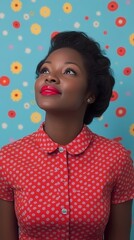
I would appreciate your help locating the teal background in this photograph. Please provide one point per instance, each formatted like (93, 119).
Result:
(98, 18)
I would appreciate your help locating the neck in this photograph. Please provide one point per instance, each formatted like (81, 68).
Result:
(62, 129)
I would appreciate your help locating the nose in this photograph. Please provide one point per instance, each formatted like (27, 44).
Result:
(51, 79)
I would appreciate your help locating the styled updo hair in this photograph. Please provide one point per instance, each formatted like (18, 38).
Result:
(100, 78)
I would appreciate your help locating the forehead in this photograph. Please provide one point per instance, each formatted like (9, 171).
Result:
(66, 54)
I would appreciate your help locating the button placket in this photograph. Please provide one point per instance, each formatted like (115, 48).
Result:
(63, 187)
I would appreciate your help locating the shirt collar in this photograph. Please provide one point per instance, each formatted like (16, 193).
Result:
(77, 146)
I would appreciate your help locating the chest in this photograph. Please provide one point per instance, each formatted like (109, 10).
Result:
(63, 190)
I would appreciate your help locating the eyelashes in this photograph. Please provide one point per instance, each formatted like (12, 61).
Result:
(70, 71)
(67, 71)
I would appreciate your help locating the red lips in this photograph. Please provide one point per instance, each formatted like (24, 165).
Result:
(49, 90)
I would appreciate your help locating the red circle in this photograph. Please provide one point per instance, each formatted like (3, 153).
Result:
(16, 24)
(112, 6)
(106, 125)
(121, 111)
(4, 81)
(53, 34)
(121, 51)
(11, 113)
(120, 21)
(114, 96)
(127, 71)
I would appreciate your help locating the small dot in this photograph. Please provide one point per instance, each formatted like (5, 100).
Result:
(128, 93)
(10, 46)
(4, 125)
(27, 50)
(5, 33)
(20, 126)
(98, 13)
(96, 24)
(40, 48)
(105, 32)
(20, 38)
(25, 84)
(76, 24)
(26, 105)
(86, 17)
(2, 15)
(26, 16)
(107, 46)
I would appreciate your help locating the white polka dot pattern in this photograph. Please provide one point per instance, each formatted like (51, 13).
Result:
(64, 192)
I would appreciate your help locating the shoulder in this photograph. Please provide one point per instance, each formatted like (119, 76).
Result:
(12, 151)
(110, 149)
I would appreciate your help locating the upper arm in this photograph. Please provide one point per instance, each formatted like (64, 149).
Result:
(8, 222)
(119, 224)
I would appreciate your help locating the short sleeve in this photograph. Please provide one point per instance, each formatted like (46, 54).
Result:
(124, 185)
(6, 192)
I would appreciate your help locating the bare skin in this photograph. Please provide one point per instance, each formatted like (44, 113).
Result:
(119, 225)
(8, 222)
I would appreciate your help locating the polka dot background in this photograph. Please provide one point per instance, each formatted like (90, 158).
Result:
(26, 28)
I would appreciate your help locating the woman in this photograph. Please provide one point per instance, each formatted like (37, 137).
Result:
(64, 181)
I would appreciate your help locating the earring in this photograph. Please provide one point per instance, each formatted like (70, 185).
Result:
(90, 100)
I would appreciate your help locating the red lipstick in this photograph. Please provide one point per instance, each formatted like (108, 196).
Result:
(49, 90)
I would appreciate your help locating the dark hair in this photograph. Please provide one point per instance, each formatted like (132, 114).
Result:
(101, 80)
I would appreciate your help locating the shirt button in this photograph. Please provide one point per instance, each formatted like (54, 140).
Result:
(61, 149)
(64, 210)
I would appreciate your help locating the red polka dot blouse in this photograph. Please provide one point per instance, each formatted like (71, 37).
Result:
(65, 192)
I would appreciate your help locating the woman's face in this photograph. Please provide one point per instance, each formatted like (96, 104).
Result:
(62, 82)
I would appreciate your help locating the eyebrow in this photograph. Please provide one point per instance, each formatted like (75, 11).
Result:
(68, 62)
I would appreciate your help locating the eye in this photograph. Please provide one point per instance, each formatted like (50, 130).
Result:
(44, 70)
(70, 71)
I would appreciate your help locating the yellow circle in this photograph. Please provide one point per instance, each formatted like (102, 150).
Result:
(45, 12)
(131, 39)
(131, 130)
(16, 95)
(35, 117)
(16, 5)
(35, 28)
(67, 7)
(16, 67)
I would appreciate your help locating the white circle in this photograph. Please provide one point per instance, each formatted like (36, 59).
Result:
(2, 15)
(26, 105)
(76, 24)
(20, 126)
(28, 50)
(96, 24)
(5, 33)
(4, 125)
(25, 84)
(26, 16)
(98, 13)
(20, 38)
